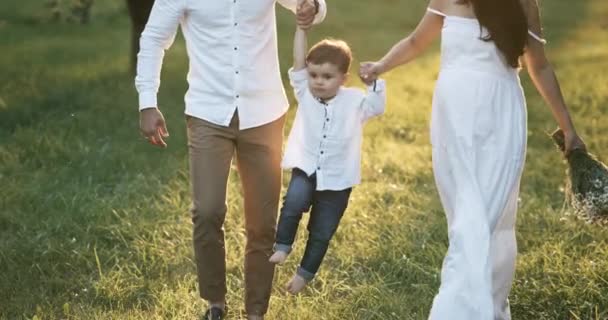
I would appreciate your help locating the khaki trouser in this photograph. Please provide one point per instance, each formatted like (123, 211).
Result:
(258, 156)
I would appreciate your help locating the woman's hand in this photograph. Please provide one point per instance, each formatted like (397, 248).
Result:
(369, 72)
(573, 142)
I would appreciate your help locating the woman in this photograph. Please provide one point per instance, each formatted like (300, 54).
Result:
(478, 133)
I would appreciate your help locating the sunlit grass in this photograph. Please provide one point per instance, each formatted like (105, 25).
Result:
(94, 223)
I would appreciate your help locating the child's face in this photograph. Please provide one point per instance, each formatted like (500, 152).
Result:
(325, 79)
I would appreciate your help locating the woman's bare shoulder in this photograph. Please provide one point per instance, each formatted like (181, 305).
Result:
(455, 8)
(532, 14)
(530, 7)
(442, 5)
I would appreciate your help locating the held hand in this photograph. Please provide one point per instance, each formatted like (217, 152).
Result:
(153, 127)
(369, 72)
(573, 142)
(305, 13)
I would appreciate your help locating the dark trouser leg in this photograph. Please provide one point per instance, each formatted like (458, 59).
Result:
(327, 210)
(297, 200)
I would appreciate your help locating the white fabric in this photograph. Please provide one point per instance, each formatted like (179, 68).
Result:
(530, 32)
(537, 37)
(326, 137)
(437, 12)
(232, 48)
(478, 134)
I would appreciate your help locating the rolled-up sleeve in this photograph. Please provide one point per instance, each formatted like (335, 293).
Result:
(299, 82)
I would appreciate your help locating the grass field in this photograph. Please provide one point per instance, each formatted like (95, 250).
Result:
(94, 223)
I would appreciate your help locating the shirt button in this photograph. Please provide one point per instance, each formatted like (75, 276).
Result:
(236, 24)
(321, 152)
(318, 168)
(327, 119)
(237, 96)
(237, 72)
(324, 136)
(235, 48)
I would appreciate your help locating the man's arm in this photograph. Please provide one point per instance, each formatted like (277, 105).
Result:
(155, 39)
(310, 11)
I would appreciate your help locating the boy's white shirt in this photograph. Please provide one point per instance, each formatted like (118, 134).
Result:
(326, 137)
(232, 50)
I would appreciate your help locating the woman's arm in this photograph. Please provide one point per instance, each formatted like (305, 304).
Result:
(544, 79)
(408, 48)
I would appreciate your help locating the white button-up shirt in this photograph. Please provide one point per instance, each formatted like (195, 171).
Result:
(326, 137)
(232, 48)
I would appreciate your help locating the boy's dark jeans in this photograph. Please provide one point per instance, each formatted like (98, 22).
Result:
(327, 209)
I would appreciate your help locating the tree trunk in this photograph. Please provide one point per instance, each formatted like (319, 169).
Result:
(139, 11)
(85, 11)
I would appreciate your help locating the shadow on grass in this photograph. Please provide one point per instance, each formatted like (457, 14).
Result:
(90, 222)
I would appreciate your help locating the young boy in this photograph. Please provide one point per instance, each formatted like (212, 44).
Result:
(323, 149)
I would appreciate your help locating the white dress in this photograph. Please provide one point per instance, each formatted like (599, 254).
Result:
(478, 133)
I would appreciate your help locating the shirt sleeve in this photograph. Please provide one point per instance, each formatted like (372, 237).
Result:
(374, 102)
(157, 37)
(291, 5)
(299, 82)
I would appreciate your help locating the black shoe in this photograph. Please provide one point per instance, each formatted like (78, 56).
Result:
(215, 313)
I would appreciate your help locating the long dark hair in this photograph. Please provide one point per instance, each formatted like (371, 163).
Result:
(506, 23)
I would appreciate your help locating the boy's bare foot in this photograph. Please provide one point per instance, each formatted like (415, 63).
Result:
(296, 284)
(278, 257)
(255, 317)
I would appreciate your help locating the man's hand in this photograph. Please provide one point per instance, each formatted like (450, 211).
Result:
(152, 126)
(305, 13)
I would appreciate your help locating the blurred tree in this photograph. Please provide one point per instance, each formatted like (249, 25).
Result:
(55, 8)
(81, 10)
(74, 10)
(139, 11)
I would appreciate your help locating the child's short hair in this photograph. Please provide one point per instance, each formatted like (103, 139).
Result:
(336, 52)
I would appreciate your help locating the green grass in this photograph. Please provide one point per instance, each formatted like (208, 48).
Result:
(94, 223)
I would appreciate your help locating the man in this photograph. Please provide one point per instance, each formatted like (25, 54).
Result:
(235, 103)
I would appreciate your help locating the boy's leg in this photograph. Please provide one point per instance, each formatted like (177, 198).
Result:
(297, 200)
(327, 210)
(211, 148)
(259, 163)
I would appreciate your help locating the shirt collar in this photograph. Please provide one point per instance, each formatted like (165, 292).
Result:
(330, 100)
